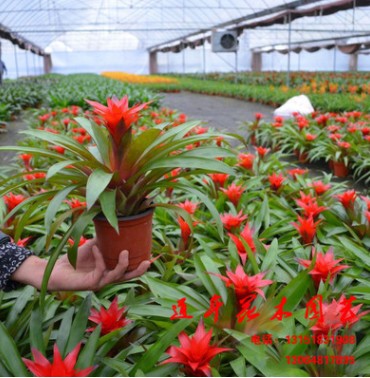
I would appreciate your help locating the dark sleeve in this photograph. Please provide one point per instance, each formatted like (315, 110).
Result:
(11, 258)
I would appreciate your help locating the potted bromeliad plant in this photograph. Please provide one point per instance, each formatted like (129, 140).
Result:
(119, 172)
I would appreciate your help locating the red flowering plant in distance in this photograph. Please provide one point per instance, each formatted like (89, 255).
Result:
(121, 171)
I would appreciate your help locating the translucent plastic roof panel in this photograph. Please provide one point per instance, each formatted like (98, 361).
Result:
(66, 25)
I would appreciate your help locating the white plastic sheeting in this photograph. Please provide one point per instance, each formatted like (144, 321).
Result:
(97, 35)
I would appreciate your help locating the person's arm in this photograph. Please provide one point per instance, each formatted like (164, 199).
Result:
(11, 258)
(90, 273)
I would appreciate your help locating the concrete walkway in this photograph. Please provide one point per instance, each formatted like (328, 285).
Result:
(10, 138)
(222, 113)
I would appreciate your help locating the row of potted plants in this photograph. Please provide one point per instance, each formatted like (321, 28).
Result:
(237, 261)
(55, 90)
(341, 140)
(265, 94)
(306, 82)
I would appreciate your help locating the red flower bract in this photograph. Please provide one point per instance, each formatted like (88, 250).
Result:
(233, 193)
(110, 319)
(195, 352)
(325, 266)
(41, 367)
(347, 198)
(117, 116)
(13, 200)
(306, 228)
(232, 221)
(243, 284)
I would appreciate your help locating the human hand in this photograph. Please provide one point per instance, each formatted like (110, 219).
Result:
(91, 272)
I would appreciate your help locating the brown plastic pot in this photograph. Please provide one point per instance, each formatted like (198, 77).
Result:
(340, 169)
(135, 235)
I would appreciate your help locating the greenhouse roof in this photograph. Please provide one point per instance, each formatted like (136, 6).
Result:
(92, 25)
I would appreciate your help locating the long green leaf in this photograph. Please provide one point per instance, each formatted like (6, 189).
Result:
(153, 354)
(108, 205)
(9, 354)
(96, 184)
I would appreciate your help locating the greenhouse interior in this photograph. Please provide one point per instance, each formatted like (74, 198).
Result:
(185, 188)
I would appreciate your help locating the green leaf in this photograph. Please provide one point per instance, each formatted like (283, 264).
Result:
(96, 184)
(79, 324)
(100, 138)
(87, 355)
(108, 204)
(54, 169)
(65, 330)
(204, 265)
(36, 336)
(180, 161)
(153, 354)
(9, 355)
(55, 204)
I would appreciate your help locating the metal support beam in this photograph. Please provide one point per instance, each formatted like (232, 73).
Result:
(265, 12)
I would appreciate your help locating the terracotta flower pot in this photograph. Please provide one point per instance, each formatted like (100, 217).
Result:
(340, 169)
(303, 157)
(135, 235)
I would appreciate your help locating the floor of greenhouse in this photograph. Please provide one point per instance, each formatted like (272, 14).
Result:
(222, 113)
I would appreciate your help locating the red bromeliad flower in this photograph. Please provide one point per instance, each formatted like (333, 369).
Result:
(262, 151)
(246, 160)
(243, 284)
(276, 181)
(333, 128)
(195, 352)
(258, 116)
(319, 187)
(336, 315)
(310, 137)
(310, 207)
(219, 178)
(306, 228)
(367, 216)
(185, 231)
(188, 206)
(297, 171)
(110, 319)
(81, 242)
(325, 266)
(23, 242)
(344, 145)
(117, 116)
(231, 221)
(347, 199)
(335, 136)
(247, 236)
(13, 200)
(41, 367)
(58, 149)
(26, 160)
(75, 203)
(233, 193)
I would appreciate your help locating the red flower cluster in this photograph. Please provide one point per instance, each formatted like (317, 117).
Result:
(325, 266)
(117, 116)
(110, 319)
(195, 352)
(41, 367)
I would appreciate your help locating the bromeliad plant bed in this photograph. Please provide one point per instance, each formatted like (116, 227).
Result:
(242, 299)
(341, 140)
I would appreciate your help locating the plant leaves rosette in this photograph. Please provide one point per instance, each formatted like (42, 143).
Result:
(123, 168)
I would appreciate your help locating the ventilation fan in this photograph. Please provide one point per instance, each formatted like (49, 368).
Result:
(224, 41)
